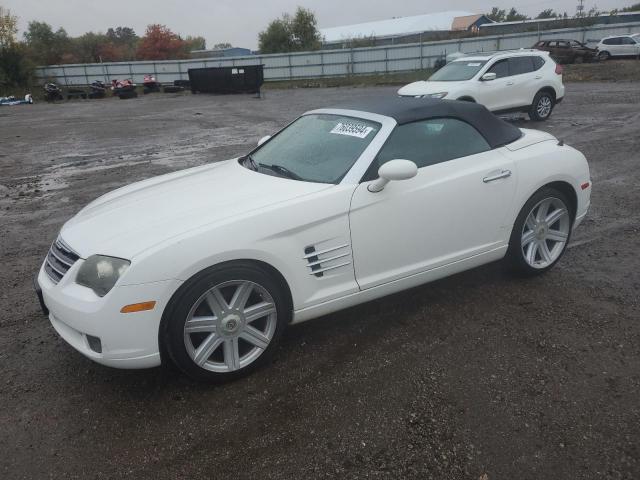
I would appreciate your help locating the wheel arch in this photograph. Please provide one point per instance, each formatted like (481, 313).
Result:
(168, 310)
(466, 98)
(548, 89)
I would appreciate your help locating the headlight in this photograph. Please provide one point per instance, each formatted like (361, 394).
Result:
(100, 273)
(438, 95)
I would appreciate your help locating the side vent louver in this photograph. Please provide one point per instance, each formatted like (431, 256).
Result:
(327, 259)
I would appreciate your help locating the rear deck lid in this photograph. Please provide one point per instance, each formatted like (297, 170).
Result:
(530, 137)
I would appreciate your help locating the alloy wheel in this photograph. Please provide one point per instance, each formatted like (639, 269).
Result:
(545, 233)
(230, 326)
(544, 106)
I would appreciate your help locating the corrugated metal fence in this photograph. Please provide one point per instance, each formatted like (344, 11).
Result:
(325, 63)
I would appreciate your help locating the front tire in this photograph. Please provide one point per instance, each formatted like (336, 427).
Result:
(604, 56)
(225, 322)
(541, 232)
(542, 106)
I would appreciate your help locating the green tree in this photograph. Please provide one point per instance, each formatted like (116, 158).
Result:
(497, 15)
(123, 42)
(277, 37)
(515, 16)
(548, 13)
(15, 68)
(222, 46)
(8, 27)
(304, 28)
(291, 34)
(45, 46)
(633, 8)
(195, 43)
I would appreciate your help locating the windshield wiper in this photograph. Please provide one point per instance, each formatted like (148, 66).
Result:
(250, 163)
(282, 171)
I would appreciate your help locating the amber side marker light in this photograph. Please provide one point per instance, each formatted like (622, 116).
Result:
(138, 307)
(584, 186)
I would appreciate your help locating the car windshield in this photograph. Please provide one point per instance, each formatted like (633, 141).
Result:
(457, 71)
(316, 148)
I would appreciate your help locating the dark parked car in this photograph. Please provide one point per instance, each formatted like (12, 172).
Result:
(567, 51)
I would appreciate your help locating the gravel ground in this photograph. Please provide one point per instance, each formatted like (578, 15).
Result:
(477, 376)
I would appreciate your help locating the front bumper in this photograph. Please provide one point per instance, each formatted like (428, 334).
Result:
(127, 340)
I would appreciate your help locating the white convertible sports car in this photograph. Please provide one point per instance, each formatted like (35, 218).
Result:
(205, 267)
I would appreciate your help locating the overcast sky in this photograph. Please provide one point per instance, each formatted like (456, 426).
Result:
(239, 22)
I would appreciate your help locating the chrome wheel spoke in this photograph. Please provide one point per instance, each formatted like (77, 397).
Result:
(531, 222)
(231, 353)
(216, 302)
(241, 295)
(528, 237)
(544, 252)
(206, 349)
(554, 216)
(255, 337)
(532, 250)
(543, 210)
(557, 236)
(200, 324)
(259, 310)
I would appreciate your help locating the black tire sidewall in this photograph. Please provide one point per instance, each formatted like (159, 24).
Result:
(533, 113)
(174, 317)
(514, 253)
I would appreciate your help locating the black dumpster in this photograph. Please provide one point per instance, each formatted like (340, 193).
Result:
(239, 79)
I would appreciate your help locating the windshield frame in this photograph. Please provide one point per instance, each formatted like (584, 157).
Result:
(361, 164)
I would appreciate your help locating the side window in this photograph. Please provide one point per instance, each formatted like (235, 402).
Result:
(612, 41)
(429, 142)
(520, 65)
(500, 68)
(538, 62)
(564, 44)
(627, 41)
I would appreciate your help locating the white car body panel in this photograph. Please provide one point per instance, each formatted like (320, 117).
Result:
(505, 93)
(436, 218)
(443, 221)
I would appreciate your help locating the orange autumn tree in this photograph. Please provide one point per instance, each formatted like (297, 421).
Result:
(160, 43)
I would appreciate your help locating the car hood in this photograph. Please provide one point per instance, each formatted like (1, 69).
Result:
(134, 218)
(425, 87)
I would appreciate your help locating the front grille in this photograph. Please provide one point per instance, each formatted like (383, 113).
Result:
(59, 260)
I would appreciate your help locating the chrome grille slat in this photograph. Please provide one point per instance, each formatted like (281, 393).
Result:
(60, 259)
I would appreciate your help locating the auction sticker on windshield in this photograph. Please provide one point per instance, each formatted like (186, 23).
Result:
(352, 130)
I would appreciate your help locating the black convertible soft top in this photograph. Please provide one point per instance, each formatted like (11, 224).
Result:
(407, 109)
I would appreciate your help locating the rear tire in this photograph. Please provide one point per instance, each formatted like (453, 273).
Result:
(541, 232)
(542, 106)
(225, 322)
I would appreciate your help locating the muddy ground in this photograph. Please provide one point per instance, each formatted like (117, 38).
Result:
(477, 376)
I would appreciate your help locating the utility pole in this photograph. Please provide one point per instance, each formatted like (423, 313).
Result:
(580, 9)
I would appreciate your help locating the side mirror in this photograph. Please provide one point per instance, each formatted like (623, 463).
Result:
(263, 139)
(393, 170)
(487, 77)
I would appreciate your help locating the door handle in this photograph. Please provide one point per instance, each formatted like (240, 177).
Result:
(498, 176)
(538, 77)
(509, 84)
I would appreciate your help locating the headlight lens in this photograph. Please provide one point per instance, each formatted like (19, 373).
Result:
(438, 95)
(100, 273)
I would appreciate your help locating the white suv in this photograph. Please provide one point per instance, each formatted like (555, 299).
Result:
(519, 80)
(619, 46)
